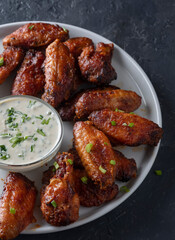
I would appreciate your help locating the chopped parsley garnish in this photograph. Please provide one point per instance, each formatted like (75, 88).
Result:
(35, 139)
(158, 172)
(102, 169)
(1, 61)
(112, 162)
(40, 131)
(31, 27)
(39, 117)
(105, 143)
(56, 165)
(84, 179)
(70, 161)
(16, 140)
(124, 189)
(130, 124)
(5, 135)
(31, 103)
(113, 123)
(14, 125)
(64, 29)
(131, 112)
(3, 153)
(12, 210)
(54, 204)
(118, 110)
(89, 147)
(45, 121)
(32, 148)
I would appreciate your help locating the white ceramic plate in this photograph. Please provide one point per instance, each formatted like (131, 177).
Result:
(130, 77)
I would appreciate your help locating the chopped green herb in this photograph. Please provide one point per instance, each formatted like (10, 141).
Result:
(84, 179)
(113, 123)
(39, 117)
(9, 120)
(70, 161)
(64, 29)
(89, 147)
(53, 169)
(5, 135)
(33, 122)
(105, 143)
(20, 155)
(54, 204)
(158, 172)
(32, 148)
(35, 139)
(112, 162)
(1, 61)
(19, 134)
(118, 110)
(31, 103)
(124, 124)
(40, 131)
(31, 27)
(10, 111)
(56, 165)
(45, 121)
(49, 113)
(16, 140)
(130, 124)
(12, 210)
(124, 189)
(102, 169)
(3, 148)
(131, 112)
(3, 154)
(14, 125)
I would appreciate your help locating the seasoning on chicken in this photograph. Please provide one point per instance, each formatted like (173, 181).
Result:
(60, 73)
(91, 194)
(9, 60)
(77, 44)
(36, 35)
(94, 153)
(16, 205)
(30, 78)
(95, 65)
(59, 202)
(126, 128)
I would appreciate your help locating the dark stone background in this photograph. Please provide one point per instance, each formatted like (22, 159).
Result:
(146, 30)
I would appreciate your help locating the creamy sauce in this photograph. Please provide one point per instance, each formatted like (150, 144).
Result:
(29, 130)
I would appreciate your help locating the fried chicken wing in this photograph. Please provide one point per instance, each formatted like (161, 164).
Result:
(59, 73)
(95, 65)
(59, 202)
(126, 129)
(67, 109)
(94, 100)
(16, 205)
(10, 58)
(77, 44)
(95, 155)
(35, 35)
(30, 78)
(89, 193)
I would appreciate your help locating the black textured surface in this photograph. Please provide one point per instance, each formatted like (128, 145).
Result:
(145, 29)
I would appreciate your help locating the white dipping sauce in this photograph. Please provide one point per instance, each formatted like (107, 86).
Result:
(29, 130)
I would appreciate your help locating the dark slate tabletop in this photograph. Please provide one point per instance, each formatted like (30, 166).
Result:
(145, 29)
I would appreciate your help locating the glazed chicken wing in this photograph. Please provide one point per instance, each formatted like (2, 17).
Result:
(60, 73)
(94, 100)
(16, 205)
(95, 155)
(77, 44)
(30, 78)
(95, 65)
(59, 202)
(10, 58)
(126, 129)
(89, 193)
(35, 35)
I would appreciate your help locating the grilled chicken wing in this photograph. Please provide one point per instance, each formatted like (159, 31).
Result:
(95, 155)
(10, 58)
(126, 129)
(77, 44)
(94, 100)
(30, 78)
(59, 202)
(59, 73)
(95, 65)
(35, 35)
(89, 193)
(16, 205)
(68, 108)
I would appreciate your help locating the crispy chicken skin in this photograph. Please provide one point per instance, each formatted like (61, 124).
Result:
(60, 73)
(30, 78)
(95, 65)
(97, 161)
(68, 108)
(77, 44)
(127, 129)
(126, 169)
(11, 58)
(127, 101)
(18, 193)
(89, 193)
(35, 35)
(59, 202)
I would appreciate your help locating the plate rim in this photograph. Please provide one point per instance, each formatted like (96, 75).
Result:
(136, 185)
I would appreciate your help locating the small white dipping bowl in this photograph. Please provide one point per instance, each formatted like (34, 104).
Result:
(47, 156)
